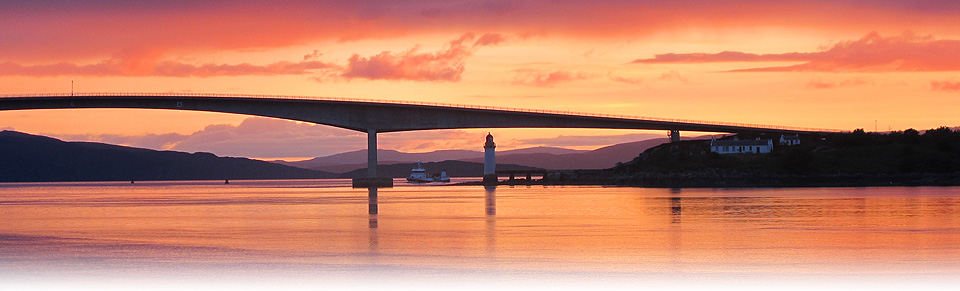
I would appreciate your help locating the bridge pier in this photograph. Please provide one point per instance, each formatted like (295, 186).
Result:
(371, 153)
(674, 135)
(371, 180)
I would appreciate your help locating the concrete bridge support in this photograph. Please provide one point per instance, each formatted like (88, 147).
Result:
(371, 153)
(372, 180)
(372, 201)
(674, 135)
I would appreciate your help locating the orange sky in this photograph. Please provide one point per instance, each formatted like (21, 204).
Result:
(830, 64)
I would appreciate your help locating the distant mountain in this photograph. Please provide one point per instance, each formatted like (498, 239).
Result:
(359, 157)
(453, 168)
(602, 158)
(32, 158)
(348, 161)
(540, 150)
(537, 157)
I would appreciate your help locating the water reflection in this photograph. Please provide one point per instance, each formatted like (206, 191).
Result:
(675, 239)
(374, 236)
(372, 197)
(491, 199)
(676, 209)
(609, 228)
(491, 210)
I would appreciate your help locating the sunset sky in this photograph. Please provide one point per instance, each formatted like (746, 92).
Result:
(828, 64)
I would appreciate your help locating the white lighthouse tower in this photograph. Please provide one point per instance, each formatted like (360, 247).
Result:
(489, 161)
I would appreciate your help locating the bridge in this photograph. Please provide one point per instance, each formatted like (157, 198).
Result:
(376, 116)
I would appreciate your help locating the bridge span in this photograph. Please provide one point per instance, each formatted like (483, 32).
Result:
(376, 116)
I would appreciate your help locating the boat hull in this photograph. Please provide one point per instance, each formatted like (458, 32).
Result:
(417, 180)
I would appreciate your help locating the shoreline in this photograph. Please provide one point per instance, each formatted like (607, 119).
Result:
(740, 180)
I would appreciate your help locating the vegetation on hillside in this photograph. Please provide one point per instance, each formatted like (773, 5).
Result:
(858, 158)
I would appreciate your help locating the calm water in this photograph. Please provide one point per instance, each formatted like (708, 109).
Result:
(320, 231)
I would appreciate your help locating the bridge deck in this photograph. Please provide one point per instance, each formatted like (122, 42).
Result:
(375, 116)
(742, 126)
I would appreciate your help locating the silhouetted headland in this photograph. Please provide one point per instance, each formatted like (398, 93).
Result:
(32, 158)
(902, 158)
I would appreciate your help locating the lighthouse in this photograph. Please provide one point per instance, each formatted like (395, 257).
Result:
(489, 161)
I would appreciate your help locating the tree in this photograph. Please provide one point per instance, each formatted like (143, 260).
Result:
(911, 136)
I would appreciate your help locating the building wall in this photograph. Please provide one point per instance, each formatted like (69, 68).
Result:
(763, 149)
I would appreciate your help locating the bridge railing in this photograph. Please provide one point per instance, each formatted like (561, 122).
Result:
(420, 103)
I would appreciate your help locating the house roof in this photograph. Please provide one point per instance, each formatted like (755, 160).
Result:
(737, 143)
(790, 137)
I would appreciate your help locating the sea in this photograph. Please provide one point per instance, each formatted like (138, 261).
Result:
(326, 235)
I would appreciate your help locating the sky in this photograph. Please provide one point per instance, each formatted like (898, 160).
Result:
(840, 64)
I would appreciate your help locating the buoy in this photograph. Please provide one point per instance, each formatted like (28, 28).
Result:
(226, 181)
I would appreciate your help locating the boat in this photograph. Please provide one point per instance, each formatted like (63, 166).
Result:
(419, 175)
(442, 177)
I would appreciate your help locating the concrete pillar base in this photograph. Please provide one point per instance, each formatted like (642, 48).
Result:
(490, 179)
(674, 135)
(376, 182)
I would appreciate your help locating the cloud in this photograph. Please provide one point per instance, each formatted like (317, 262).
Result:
(312, 56)
(277, 138)
(254, 137)
(944, 86)
(872, 53)
(490, 39)
(430, 140)
(726, 56)
(821, 84)
(41, 31)
(445, 65)
(133, 66)
(672, 76)
(632, 81)
(543, 78)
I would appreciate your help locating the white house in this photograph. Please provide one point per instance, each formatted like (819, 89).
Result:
(741, 146)
(789, 139)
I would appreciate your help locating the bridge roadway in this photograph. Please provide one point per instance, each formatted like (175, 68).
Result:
(375, 116)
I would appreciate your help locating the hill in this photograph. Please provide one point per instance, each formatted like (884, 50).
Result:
(536, 157)
(32, 158)
(848, 159)
(453, 168)
(601, 158)
(348, 161)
